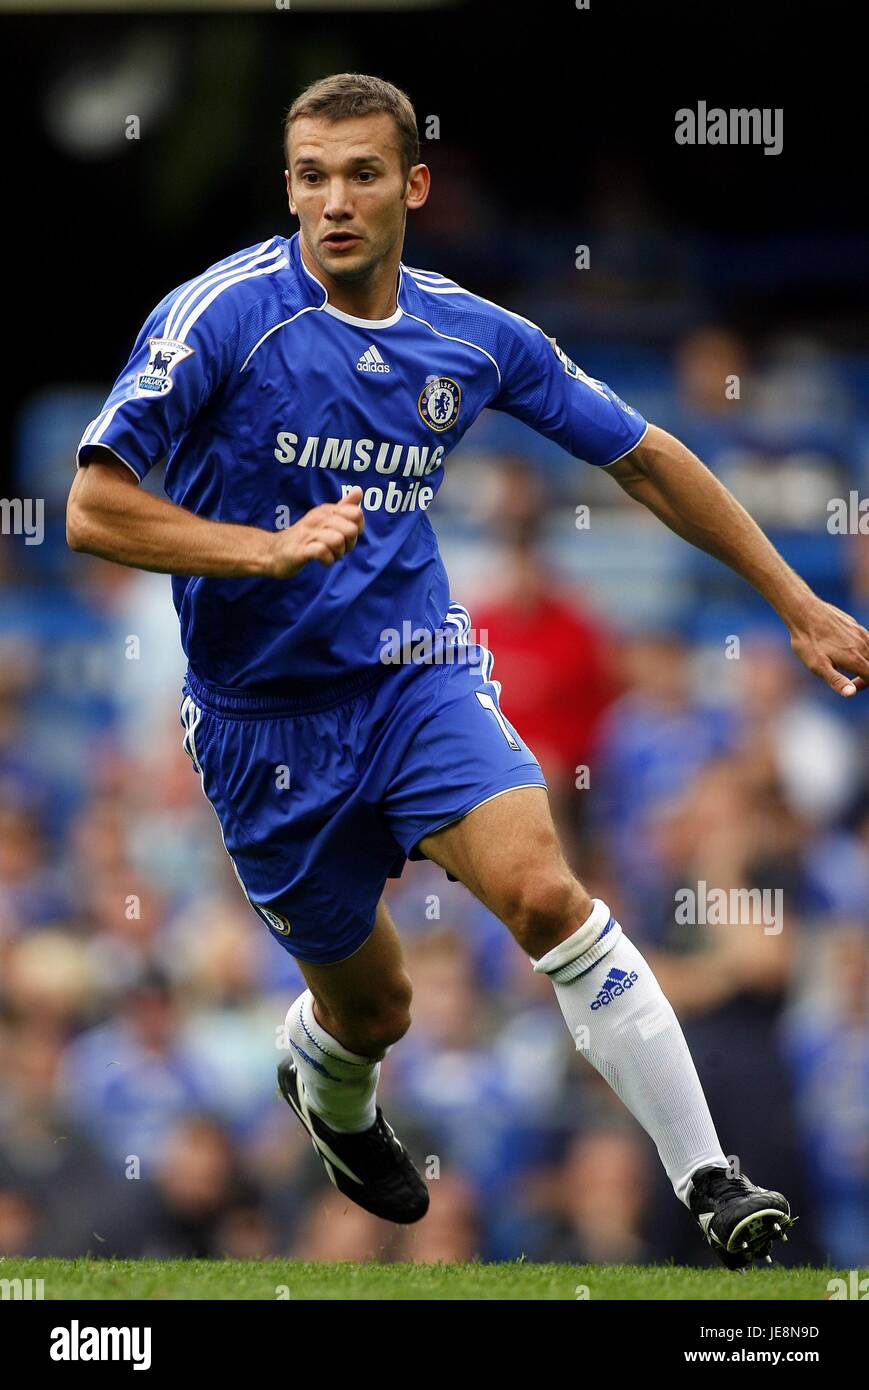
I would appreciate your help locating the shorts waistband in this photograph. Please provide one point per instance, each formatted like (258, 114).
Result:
(304, 698)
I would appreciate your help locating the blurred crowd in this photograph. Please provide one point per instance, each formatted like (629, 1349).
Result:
(141, 999)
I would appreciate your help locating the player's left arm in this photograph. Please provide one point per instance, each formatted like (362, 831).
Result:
(678, 488)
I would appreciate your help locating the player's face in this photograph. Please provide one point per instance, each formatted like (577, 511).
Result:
(348, 189)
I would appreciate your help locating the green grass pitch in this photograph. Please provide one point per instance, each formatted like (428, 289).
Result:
(299, 1280)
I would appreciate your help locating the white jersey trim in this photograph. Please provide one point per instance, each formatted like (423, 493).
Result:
(339, 313)
(431, 275)
(218, 289)
(486, 799)
(627, 451)
(110, 450)
(185, 300)
(444, 286)
(191, 716)
(230, 275)
(308, 309)
(100, 424)
(328, 308)
(453, 339)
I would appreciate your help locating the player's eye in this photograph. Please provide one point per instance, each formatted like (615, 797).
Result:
(366, 175)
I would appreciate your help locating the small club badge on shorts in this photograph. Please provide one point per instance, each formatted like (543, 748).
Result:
(276, 921)
(164, 354)
(439, 402)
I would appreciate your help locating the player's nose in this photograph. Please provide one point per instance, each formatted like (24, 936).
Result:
(338, 203)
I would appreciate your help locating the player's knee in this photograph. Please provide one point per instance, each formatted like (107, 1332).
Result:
(378, 1025)
(543, 905)
(374, 1034)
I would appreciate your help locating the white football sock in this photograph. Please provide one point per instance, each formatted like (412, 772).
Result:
(340, 1085)
(624, 1024)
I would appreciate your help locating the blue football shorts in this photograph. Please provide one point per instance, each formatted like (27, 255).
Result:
(323, 795)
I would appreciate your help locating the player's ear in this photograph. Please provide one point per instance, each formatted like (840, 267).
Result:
(289, 192)
(418, 185)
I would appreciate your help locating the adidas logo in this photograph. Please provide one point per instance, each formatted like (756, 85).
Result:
(615, 984)
(705, 1219)
(371, 361)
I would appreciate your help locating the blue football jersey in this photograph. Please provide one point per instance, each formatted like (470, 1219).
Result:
(266, 400)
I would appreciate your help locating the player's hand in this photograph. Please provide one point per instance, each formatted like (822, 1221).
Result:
(325, 533)
(829, 642)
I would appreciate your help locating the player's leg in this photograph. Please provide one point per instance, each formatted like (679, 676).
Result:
(341, 1027)
(313, 861)
(363, 1000)
(506, 851)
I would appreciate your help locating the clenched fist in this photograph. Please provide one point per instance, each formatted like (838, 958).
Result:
(325, 533)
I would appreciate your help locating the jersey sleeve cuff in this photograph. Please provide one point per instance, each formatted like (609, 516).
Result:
(639, 439)
(85, 452)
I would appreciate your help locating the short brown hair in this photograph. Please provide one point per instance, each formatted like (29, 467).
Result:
(348, 94)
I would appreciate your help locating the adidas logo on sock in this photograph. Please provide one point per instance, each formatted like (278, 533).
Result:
(371, 361)
(615, 984)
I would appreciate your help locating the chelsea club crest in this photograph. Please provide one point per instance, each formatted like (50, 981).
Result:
(439, 402)
(275, 920)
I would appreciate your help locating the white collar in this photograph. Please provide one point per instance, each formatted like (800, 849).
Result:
(351, 318)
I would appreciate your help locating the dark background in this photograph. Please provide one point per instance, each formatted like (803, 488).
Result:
(564, 116)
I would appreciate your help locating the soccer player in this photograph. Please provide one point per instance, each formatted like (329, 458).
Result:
(305, 393)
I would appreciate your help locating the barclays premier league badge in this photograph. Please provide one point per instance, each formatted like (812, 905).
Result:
(579, 375)
(439, 402)
(164, 356)
(567, 362)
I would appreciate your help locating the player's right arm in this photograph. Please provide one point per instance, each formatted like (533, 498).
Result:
(108, 514)
(187, 350)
